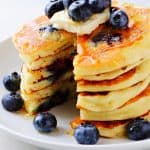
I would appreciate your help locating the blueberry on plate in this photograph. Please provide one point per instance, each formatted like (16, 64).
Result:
(119, 19)
(53, 6)
(45, 122)
(86, 134)
(12, 82)
(138, 129)
(12, 102)
(79, 10)
(98, 6)
(67, 3)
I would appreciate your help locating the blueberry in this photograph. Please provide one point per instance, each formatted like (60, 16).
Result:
(107, 37)
(48, 28)
(53, 6)
(98, 6)
(12, 102)
(79, 10)
(119, 19)
(45, 122)
(12, 82)
(138, 129)
(86, 134)
(67, 3)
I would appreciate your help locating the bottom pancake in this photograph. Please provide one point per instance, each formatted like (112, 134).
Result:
(135, 107)
(109, 129)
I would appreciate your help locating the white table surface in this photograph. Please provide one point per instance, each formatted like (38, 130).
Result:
(12, 14)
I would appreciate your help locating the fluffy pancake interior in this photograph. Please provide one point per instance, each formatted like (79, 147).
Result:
(57, 97)
(36, 80)
(43, 62)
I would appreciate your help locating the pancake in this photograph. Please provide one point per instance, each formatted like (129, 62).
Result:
(59, 96)
(107, 49)
(40, 94)
(108, 129)
(33, 76)
(46, 82)
(36, 80)
(50, 59)
(109, 75)
(32, 44)
(132, 109)
(101, 102)
(124, 81)
(43, 91)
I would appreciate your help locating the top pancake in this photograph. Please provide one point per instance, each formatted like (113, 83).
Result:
(33, 44)
(130, 46)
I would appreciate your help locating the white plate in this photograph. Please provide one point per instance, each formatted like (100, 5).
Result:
(22, 128)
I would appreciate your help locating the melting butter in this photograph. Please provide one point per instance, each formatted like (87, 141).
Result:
(61, 20)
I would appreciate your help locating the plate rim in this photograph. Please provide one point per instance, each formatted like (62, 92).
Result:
(28, 139)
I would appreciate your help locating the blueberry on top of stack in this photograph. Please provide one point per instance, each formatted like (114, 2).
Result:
(78, 16)
(83, 16)
(78, 10)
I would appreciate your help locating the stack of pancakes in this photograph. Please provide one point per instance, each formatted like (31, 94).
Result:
(112, 70)
(46, 76)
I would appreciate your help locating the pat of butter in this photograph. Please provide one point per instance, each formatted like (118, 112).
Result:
(61, 20)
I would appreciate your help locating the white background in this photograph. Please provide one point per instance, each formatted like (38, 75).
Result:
(12, 14)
